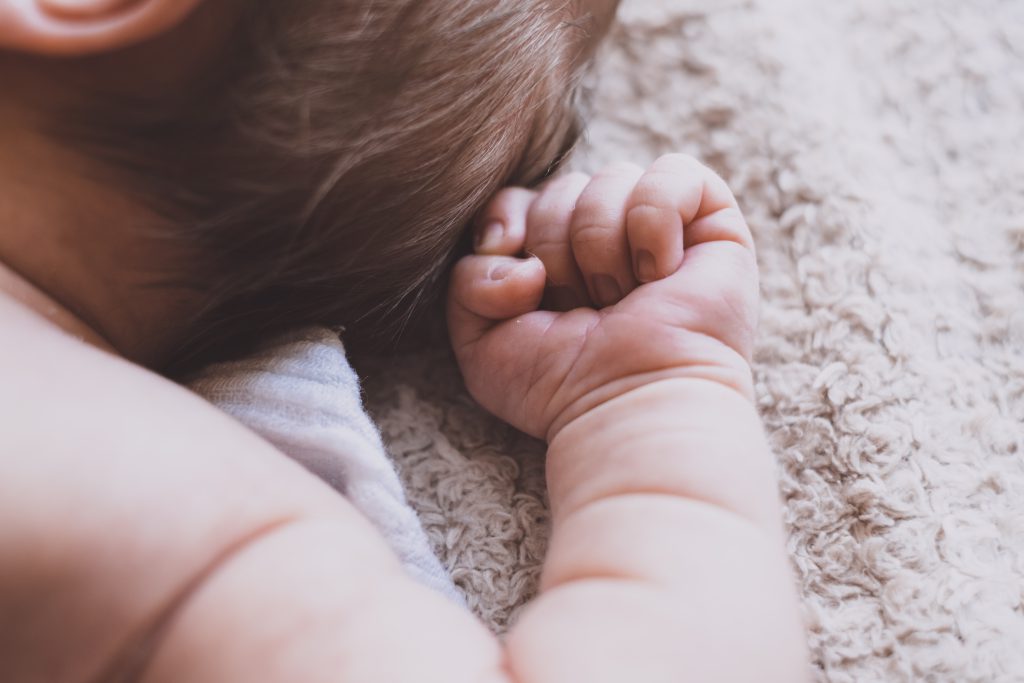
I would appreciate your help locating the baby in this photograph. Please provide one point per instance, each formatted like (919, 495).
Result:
(146, 536)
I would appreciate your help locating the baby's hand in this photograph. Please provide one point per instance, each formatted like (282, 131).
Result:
(645, 275)
(664, 508)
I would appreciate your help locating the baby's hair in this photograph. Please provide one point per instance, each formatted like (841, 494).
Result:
(326, 172)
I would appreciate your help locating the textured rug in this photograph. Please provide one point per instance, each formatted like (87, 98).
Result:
(877, 147)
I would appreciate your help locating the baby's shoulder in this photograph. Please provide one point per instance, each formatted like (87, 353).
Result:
(67, 403)
(56, 386)
(123, 489)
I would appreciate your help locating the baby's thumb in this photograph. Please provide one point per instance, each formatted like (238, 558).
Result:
(486, 290)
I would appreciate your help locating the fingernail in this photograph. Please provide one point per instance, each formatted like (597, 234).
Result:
(501, 270)
(646, 269)
(560, 298)
(606, 289)
(490, 237)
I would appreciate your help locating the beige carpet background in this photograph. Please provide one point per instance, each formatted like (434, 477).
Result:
(878, 150)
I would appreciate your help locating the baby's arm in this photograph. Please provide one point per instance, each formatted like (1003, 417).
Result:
(146, 536)
(667, 560)
(667, 556)
(157, 540)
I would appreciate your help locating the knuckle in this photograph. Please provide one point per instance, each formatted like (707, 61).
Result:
(566, 187)
(647, 211)
(504, 199)
(596, 245)
(619, 169)
(546, 216)
(510, 193)
(677, 162)
(572, 178)
(657, 223)
(592, 234)
(552, 206)
(657, 189)
(597, 207)
(684, 165)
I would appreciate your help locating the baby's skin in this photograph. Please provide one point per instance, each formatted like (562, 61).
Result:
(180, 547)
(666, 561)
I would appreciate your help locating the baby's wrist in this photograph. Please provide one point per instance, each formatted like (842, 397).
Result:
(682, 383)
(690, 437)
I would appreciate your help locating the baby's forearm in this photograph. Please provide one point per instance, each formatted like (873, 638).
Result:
(667, 560)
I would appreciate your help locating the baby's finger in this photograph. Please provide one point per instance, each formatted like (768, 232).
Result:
(654, 223)
(695, 192)
(501, 228)
(598, 232)
(547, 238)
(485, 290)
(677, 190)
(723, 225)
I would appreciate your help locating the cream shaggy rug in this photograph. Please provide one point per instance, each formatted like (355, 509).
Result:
(877, 147)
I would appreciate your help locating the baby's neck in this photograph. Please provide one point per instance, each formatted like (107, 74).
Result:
(70, 251)
(18, 290)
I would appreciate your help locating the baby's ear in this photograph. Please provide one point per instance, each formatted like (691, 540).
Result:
(80, 27)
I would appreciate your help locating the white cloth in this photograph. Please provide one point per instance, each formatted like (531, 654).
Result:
(300, 394)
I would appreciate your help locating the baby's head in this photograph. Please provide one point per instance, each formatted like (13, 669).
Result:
(314, 161)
